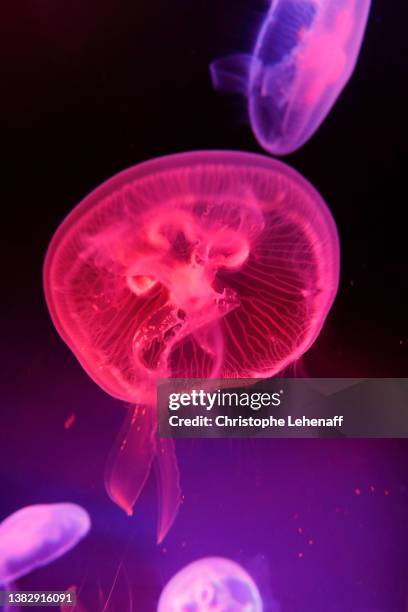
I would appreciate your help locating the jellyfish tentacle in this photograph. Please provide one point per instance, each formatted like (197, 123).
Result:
(131, 457)
(168, 485)
(230, 73)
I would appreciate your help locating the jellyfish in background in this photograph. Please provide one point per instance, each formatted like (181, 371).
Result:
(305, 53)
(214, 584)
(197, 265)
(36, 535)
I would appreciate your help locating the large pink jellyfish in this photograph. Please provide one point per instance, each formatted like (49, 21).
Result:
(198, 265)
(36, 535)
(212, 583)
(305, 53)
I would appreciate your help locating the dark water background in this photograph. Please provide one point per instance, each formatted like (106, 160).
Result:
(91, 88)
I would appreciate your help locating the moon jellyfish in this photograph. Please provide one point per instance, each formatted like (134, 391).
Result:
(211, 584)
(197, 265)
(36, 535)
(305, 53)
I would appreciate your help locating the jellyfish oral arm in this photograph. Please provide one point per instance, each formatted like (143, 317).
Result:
(230, 74)
(168, 484)
(136, 449)
(131, 457)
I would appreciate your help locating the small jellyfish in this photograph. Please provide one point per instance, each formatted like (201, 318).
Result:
(197, 265)
(212, 583)
(36, 535)
(305, 53)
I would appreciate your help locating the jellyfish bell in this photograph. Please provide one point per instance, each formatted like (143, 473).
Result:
(304, 55)
(196, 265)
(212, 583)
(36, 535)
(186, 247)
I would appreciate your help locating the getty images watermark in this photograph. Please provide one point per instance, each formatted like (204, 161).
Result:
(279, 407)
(199, 410)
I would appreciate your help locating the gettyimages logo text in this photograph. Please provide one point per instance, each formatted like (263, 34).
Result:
(224, 399)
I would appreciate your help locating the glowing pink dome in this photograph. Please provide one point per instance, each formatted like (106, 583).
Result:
(193, 265)
(200, 265)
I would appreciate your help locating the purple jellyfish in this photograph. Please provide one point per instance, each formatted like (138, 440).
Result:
(305, 53)
(212, 583)
(36, 535)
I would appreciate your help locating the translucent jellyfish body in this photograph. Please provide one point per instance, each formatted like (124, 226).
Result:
(215, 584)
(305, 53)
(36, 535)
(198, 265)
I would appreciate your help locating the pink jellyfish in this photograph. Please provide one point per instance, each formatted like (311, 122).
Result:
(212, 583)
(305, 53)
(36, 535)
(198, 265)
